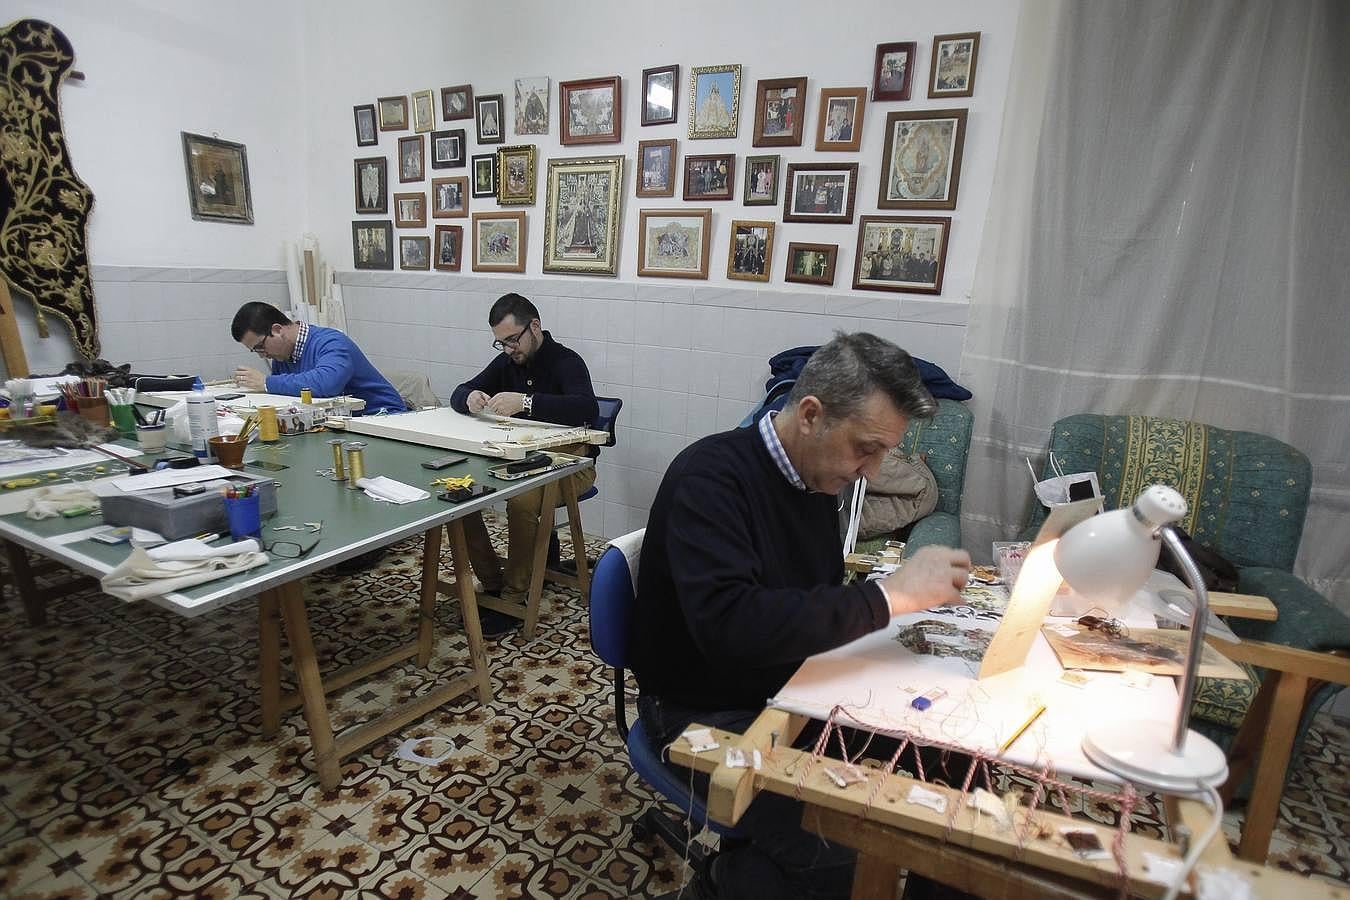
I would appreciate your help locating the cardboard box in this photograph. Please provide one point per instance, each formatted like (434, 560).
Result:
(179, 517)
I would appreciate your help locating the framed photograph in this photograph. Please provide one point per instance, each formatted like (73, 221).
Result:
(581, 216)
(411, 159)
(709, 177)
(410, 210)
(447, 149)
(449, 198)
(921, 159)
(660, 95)
(820, 192)
(714, 101)
(423, 111)
(673, 243)
(898, 253)
(485, 175)
(761, 181)
(811, 263)
(751, 251)
(372, 185)
(217, 177)
(487, 116)
(952, 73)
(456, 102)
(894, 72)
(449, 247)
(499, 242)
(656, 168)
(393, 113)
(780, 108)
(531, 106)
(591, 111)
(373, 245)
(414, 252)
(515, 175)
(367, 133)
(840, 123)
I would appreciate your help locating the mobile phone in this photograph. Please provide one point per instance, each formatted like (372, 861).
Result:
(189, 490)
(228, 396)
(533, 461)
(113, 536)
(265, 464)
(459, 495)
(443, 462)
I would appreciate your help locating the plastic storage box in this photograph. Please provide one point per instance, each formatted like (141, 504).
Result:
(178, 517)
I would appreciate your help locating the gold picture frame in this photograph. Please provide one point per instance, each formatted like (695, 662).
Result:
(217, 179)
(750, 252)
(515, 175)
(710, 116)
(581, 215)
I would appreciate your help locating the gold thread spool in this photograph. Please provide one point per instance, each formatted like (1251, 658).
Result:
(356, 465)
(339, 470)
(306, 395)
(267, 424)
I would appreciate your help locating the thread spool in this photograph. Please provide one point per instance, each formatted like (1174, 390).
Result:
(306, 395)
(267, 424)
(339, 467)
(356, 464)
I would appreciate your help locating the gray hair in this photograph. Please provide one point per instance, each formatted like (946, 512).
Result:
(844, 372)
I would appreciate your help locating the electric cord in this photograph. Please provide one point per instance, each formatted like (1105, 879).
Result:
(1215, 803)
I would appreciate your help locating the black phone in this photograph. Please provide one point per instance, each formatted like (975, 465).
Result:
(533, 461)
(228, 396)
(189, 490)
(460, 495)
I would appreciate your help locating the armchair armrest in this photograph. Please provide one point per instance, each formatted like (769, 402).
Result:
(940, 528)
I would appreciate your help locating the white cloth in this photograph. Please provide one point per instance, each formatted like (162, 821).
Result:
(390, 491)
(630, 545)
(193, 550)
(140, 577)
(47, 502)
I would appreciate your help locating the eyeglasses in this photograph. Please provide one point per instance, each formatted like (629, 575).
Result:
(513, 341)
(289, 549)
(261, 347)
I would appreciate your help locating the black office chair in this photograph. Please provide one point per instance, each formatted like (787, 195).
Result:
(566, 570)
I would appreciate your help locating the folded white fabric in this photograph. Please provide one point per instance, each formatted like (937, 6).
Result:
(391, 491)
(47, 502)
(192, 549)
(140, 577)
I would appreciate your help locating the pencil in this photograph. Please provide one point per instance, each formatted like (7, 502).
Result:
(1035, 714)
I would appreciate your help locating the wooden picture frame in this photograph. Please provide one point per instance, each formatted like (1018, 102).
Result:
(515, 175)
(673, 243)
(488, 123)
(448, 248)
(761, 181)
(450, 197)
(499, 241)
(907, 254)
(414, 252)
(448, 149)
(457, 102)
(780, 111)
(893, 73)
(410, 210)
(393, 113)
(820, 192)
(660, 95)
(656, 168)
(412, 165)
(952, 70)
(711, 114)
(811, 263)
(581, 216)
(371, 177)
(485, 175)
(921, 159)
(367, 126)
(750, 251)
(373, 245)
(423, 111)
(839, 123)
(217, 180)
(532, 105)
(590, 111)
(710, 176)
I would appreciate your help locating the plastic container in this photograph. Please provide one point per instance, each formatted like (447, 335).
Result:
(202, 423)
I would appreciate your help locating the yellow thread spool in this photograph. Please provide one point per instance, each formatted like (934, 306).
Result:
(306, 395)
(267, 424)
(356, 466)
(339, 470)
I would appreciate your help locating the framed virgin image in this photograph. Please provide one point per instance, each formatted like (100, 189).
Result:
(456, 102)
(751, 251)
(840, 123)
(811, 263)
(393, 113)
(709, 177)
(423, 111)
(714, 101)
(499, 242)
(673, 243)
(447, 149)
(590, 111)
(485, 175)
(898, 253)
(217, 176)
(449, 198)
(820, 192)
(371, 175)
(515, 175)
(780, 108)
(921, 159)
(373, 245)
(531, 106)
(414, 252)
(410, 210)
(448, 247)
(952, 72)
(367, 134)
(656, 168)
(487, 115)
(894, 74)
(411, 159)
(581, 215)
(660, 95)
(761, 181)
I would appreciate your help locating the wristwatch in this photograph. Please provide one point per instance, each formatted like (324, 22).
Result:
(527, 404)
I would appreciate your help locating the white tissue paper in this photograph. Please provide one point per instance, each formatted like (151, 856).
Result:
(390, 491)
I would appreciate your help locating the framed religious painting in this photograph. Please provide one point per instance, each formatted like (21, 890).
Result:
(449, 198)
(367, 128)
(952, 71)
(893, 74)
(590, 111)
(423, 111)
(372, 185)
(531, 106)
(898, 253)
(780, 109)
(410, 210)
(840, 123)
(673, 243)
(820, 192)
(921, 159)
(485, 175)
(656, 168)
(448, 248)
(373, 245)
(660, 95)
(811, 263)
(447, 149)
(515, 175)
(714, 101)
(487, 115)
(411, 159)
(709, 177)
(499, 242)
(456, 102)
(217, 176)
(393, 113)
(581, 215)
(414, 252)
(761, 181)
(751, 251)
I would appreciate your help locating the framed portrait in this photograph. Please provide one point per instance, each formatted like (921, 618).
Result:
(761, 181)
(456, 102)
(952, 72)
(449, 198)
(411, 159)
(485, 175)
(531, 106)
(414, 252)
(371, 175)
(448, 247)
(751, 250)
(811, 263)
(673, 243)
(714, 101)
(373, 245)
(447, 149)
(840, 123)
(423, 111)
(820, 192)
(921, 159)
(898, 253)
(660, 95)
(656, 168)
(709, 177)
(499, 242)
(515, 175)
(894, 71)
(367, 128)
(487, 116)
(581, 215)
(780, 108)
(410, 210)
(217, 177)
(591, 111)
(393, 113)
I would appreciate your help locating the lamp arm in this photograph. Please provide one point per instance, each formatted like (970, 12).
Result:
(1197, 642)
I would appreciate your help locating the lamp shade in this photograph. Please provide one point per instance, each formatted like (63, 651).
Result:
(1108, 557)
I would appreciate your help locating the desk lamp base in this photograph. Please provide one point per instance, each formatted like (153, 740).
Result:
(1141, 752)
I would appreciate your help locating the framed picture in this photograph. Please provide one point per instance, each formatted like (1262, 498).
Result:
(515, 175)
(371, 175)
(840, 123)
(487, 115)
(714, 101)
(780, 108)
(656, 168)
(761, 181)
(373, 245)
(531, 106)
(414, 252)
(499, 242)
(449, 198)
(447, 149)
(393, 113)
(811, 263)
(660, 95)
(591, 111)
(581, 215)
(952, 72)
(411, 159)
(485, 175)
(217, 177)
(921, 159)
(367, 134)
(673, 243)
(449, 247)
(894, 72)
(423, 111)
(751, 251)
(410, 210)
(710, 177)
(456, 102)
(896, 253)
(820, 192)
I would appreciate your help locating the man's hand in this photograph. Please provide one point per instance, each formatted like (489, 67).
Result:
(934, 576)
(251, 380)
(477, 401)
(507, 403)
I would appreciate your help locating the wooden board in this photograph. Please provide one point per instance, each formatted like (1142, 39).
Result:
(165, 399)
(449, 430)
(1154, 650)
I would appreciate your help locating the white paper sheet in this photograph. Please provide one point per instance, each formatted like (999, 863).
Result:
(170, 478)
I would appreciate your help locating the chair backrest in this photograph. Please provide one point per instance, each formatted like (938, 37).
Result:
(944, 443)
(608, 417)
(414, 388)
(613, 596)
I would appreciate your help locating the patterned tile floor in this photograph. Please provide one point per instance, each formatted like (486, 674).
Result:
(131, 764)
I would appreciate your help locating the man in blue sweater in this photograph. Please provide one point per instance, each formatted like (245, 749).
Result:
(307, 356)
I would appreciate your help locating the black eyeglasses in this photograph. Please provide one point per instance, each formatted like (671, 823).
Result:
(513, 341)
(288, 549)
(261, 347)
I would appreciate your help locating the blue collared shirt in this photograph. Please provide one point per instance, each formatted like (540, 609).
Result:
(775, 448)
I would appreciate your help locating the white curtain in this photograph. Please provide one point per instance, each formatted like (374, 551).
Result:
(1169, 235)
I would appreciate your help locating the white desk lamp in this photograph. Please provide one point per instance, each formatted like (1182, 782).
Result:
(1107, 558)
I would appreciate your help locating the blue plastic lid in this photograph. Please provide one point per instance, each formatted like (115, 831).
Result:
(197, 384)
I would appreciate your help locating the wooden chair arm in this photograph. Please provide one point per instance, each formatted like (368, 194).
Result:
(1321, 666)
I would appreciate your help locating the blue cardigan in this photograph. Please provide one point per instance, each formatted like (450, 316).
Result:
(331, 365)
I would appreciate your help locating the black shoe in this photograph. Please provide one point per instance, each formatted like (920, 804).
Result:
(359, 564)
(496, 624)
